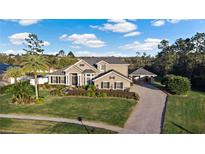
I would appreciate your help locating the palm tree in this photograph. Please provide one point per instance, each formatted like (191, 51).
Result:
(14, 72)
(34, 63)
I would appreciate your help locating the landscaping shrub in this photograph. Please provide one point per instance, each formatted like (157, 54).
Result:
(22, 92)
(39, 101)
(176, 84)
(56, 92)
(101, 94)
(47, 86)
(93, 92)
(4, 88)
(118, 93)
(76, 92)
(90, 87)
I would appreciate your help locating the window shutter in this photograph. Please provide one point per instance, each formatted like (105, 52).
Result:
(115, 85)
(101, 85)
(108, 84)
(121, 85)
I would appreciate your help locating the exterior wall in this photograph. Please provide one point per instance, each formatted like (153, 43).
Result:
(86, 66)
(126, 83)
(121, 68)
(40, 81)
(53, 76)
(102, 63)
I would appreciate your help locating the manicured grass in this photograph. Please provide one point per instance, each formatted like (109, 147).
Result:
(45, 127)
(185, 113)
(114, 111)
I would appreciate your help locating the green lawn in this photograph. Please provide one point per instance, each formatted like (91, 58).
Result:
(45, 127)
(185, 113)
(113, 111)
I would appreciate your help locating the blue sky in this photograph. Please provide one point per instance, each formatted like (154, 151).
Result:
(96, 37)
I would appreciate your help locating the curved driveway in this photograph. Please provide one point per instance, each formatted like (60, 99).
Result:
(146, 117)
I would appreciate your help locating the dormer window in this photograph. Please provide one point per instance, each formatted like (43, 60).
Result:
(103, 68)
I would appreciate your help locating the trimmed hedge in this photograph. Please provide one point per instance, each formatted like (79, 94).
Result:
(94, 93)
(176, 84)
(47, 86)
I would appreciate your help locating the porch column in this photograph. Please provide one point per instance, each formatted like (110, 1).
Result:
(79, 80)
(68, 79)
(49, 79)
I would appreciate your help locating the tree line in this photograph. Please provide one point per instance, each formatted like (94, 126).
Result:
(185, 57)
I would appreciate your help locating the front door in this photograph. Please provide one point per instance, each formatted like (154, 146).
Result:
(74, 79)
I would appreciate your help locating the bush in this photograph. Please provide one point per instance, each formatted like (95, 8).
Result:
(93, 92)
(5, 88)
(39, 101)
(47, 86)
(117, 93)
(22, 92)
(56, 92)
(90, 87)
(176, 84)
(101, 94)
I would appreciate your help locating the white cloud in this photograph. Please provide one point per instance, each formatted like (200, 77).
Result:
(26, 22)
(148, 45)
(13, 52)
(46, 43)
(64, 37)
(19, 39)
(173, 21)
(117, 25)
(116, 20)
(88, 40)
(161, 22)
(99, 54)
(75, 46)
(158, 23)
(132, 34)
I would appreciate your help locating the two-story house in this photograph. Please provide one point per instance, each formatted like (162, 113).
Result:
(103, 72)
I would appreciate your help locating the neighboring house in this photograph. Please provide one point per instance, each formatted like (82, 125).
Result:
(41, 80)
(142, 74)
(3, 68)
(103, 72)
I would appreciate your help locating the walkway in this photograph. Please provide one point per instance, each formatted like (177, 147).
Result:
(66, 120)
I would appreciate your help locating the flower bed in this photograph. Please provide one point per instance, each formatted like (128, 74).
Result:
(94, 93)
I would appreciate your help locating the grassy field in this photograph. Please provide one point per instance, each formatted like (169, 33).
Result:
(45, 127)
(185, 113)
(113, 111)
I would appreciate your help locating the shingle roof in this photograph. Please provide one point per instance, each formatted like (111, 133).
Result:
(111, 60)
(88, 71)
(102, 74)
(142, 71)
(58, 72)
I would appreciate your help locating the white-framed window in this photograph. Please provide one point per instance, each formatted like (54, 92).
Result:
(105, 85)
(88, 78)
(119, 85)
(82, 65)
(103, 67)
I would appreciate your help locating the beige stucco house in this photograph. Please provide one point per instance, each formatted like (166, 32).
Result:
(103, 72)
